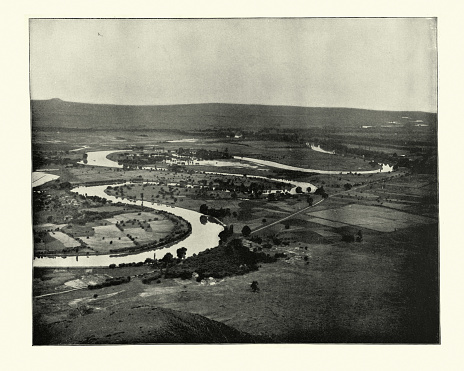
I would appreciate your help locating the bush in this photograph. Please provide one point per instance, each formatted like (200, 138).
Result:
(246, 231)
(149, 279)
(348, 238)
(109, 282)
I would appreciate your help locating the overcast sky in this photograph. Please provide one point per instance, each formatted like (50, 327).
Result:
(386, 64)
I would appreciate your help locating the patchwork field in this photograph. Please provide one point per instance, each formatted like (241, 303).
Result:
(65, 239)
(123, 230)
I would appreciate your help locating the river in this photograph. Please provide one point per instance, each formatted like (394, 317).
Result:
(98, 158)
(385, 167)
(202, 236)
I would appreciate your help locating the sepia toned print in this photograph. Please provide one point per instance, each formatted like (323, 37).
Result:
(234, 181)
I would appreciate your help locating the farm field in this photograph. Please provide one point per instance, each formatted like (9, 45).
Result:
(371, 217)
(104, 235)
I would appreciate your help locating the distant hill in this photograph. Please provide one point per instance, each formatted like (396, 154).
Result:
(55, 113)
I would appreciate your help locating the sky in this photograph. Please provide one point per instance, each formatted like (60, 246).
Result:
(371, 63)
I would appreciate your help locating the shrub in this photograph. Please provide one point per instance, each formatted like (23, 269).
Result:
(246, 231)
(348, 238)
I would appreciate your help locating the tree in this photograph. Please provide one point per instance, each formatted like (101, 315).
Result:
(204, 209)
(167, 258)
(254, 286)
(246, 231)
(298, 190)
(181, 252)
(310, 201)
(203, 219)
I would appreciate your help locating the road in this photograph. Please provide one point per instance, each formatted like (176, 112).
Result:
(287, 217)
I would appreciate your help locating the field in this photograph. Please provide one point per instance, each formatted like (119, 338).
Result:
(370, 217)
(102, 234)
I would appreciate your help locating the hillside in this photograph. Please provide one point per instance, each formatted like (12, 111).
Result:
(137, 325)
(55, 113)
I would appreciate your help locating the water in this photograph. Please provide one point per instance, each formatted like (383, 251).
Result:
(182, 141)
(319, 149)
(98, 158)
(385, 167)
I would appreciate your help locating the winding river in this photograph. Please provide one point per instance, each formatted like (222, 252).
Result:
(203, 236)
(385, 167)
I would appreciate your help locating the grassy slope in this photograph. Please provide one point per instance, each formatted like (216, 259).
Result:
(136, 325)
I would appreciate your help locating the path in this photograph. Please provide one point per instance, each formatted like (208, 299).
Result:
(57, 293)
(287, 217)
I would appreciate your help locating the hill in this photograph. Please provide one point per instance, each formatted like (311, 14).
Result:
(139, 325)
(55, 113)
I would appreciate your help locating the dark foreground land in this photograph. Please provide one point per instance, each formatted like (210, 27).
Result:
(383, 290)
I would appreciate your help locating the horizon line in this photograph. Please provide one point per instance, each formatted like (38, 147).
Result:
(243, 104)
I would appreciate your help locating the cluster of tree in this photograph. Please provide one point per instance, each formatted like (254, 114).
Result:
(257, 239)
(152, 277)
(347, 186)
(255, 188)
(110, 282)
(225, 260)
(89, 216)
(226, 233)
(97, 199)
(40, 160)
(131, 161)
(320, 191)
(217, 213)
(204, 154)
